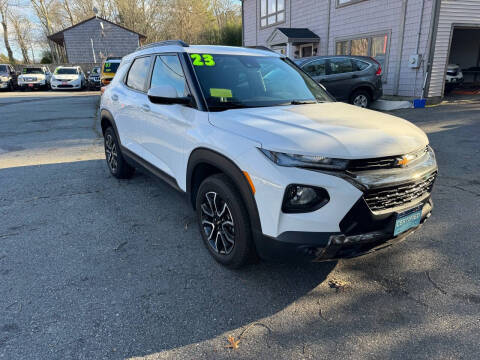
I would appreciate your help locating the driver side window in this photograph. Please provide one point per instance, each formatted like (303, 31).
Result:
(168, 71)
(316, 68)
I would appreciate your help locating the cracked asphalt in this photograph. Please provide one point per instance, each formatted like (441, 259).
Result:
(96, 268)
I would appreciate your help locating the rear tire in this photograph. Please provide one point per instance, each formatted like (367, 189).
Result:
(223, 221)
(115, 161)
(361, 98)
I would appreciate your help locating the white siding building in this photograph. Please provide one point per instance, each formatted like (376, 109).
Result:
(412, 39)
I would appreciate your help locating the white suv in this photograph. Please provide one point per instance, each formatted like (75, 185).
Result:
(273, 166)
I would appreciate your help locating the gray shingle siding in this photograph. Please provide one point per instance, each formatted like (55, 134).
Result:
(115, 41)
(363, 18)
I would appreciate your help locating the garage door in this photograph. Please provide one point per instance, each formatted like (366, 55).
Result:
(453, 13)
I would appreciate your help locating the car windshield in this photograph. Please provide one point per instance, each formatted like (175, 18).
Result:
(95, 71)
(66, 71)
(232, 81)
(3, 68)
(110, 67)
(32, 71)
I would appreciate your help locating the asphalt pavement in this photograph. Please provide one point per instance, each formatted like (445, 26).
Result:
(96, 268)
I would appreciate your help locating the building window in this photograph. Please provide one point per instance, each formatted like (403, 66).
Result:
(272, 12)
(347, 2)
(375, 46)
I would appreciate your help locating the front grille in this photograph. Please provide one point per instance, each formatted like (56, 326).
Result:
(388, 162)
(391, 197)
(65, 86)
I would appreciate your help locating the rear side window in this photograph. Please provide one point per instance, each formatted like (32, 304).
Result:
(360, 65)
(137, 75)
(340, 66)
(168, 71)
(315, 68)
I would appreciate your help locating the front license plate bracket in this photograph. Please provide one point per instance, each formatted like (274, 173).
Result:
(407, 220)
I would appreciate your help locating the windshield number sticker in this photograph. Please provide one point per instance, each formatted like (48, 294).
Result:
(221, 93)
(204, 59)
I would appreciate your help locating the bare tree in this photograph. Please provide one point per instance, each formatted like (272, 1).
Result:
(4, 12)
(22, 27)
(47, 11)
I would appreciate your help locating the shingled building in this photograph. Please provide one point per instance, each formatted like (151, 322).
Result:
(94, 39)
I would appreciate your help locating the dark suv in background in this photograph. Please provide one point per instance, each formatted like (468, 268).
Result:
(353, 79)
(8, 77)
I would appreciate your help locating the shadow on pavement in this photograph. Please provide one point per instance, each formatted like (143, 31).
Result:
(98, 264)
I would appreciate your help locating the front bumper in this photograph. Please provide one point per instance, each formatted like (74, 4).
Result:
(32, 85)
(3, 85)
(317, 247)
(359, 218)
(68, 86)
(454, 79)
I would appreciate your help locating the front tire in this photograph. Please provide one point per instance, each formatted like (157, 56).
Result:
(115, 161)
(223, 221)
(361, 98)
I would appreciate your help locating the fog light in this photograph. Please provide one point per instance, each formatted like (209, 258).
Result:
(302, 198)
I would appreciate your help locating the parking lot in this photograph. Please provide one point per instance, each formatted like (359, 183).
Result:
(96, 268)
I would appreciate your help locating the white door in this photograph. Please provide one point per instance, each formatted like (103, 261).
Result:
(127, 99)
(164, 126)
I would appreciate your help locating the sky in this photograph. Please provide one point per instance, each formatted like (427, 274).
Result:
(24, 7)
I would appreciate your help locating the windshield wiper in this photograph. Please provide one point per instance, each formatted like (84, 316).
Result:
(300, 102)
(230, 105)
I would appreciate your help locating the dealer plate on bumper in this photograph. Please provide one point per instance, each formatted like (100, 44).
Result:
(407, 220)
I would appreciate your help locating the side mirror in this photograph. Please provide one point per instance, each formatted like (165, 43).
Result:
(167, 95)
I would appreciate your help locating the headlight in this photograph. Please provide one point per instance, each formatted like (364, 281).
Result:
(304, 198)
(305, 161)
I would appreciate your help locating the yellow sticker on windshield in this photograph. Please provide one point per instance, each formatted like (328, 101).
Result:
(221, 93)
(204, 59)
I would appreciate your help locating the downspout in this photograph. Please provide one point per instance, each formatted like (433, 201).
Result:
(243, 26)
(401, 37)
(328, 26)
(431, 44)
(257, 24)
(420, 23)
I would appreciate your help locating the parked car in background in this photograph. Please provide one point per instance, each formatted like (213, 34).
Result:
(8, 77)
(353, 79)
(94, 78)
(453, 78)
(68, 77)
(109, 68)
(34, 77)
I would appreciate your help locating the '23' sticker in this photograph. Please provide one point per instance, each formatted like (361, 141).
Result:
(204, 59)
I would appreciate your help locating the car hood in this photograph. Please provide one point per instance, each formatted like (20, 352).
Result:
(38, 76)
(66, 77)
(453, 67)
(329, 129)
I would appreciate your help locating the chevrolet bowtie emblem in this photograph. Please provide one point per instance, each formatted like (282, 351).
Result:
(403, 161)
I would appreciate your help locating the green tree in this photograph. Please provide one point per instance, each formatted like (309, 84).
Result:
(46, 57)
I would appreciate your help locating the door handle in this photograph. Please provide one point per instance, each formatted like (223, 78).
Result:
(145, 107)
(114, 97)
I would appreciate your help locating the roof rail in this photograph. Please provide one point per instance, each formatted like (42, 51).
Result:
(164, 43)
(260, 47)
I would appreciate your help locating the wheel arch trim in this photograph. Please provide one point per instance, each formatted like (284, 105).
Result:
(106, 115)
(229, 168)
